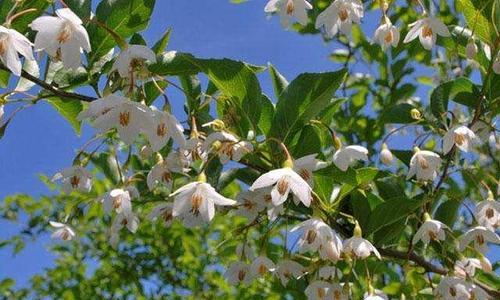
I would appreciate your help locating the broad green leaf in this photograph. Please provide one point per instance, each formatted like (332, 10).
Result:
(69, 109)
(174, 63)
(81, 8)
(397, 114)
(162, 43)
(107, 164)
(266, 115)
(477, 15)
(460, 90)
(447, 212)
(278, 80)
(21, 23)
(4, 78)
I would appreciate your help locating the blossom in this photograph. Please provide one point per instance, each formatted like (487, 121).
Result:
(12, 43)
(306, 165)
(261, 265)
(228, 146)
(329, 272)
(359, 247)
(284, 180)
(386, 156)
(127, 219)
(467, 267)
(471, 49)
(243, 250)
(195, 203)
(118, 200)
(479, 236)
(250, 204)
(63, 231)
(375, 295)
(427, 29)
(318, 236)
(387, 35)
(238, 272)
(289, 9)
(488, 213)
(460, 136)
(1, 112)
(346, 156)
(132, 58)
(340, 15)
(101, 106)
(163, 211)
(424, 165)
(452, 288)
(336, 291)
(161, 173)
(317, 290)
(287, 269)
(62, 36)
(496, 65)
(165, 126)
(430, 230)
(74, 178)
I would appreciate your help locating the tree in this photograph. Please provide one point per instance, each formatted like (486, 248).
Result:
(309, 192)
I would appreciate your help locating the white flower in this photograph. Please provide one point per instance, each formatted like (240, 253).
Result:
(387, 35)
(195, 203)
(118, 200)
(424, 164)
(479, 236)
(161, 173)
(318, 236)
(431, 230)
(478, 293)
(273, 211)
(427, 29)
(467, 267)
(250, 204)
(228, 147)
(12, 43)
(340, 15)
(74, 178)
(131, 58)
(289, 9)
(336, 291)
(238, 272)
(163, 211)
(127, 219)
(284, 181)
(460, 136)
(63, 231)
(306, 165)
(450, 288)
(260, 266)
(346, 156)
(488, 214)
(1, 112)
(287, 269)
(329, 272)
(496, 65)
(358, 247)
(243, 250)
(101, 106)
(471, 49)
(386, 156)
(164, 127)
(375, 295)
(317, 290)
(193, 149)
(62, 36)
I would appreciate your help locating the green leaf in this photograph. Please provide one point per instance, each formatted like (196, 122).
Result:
(174, 63)
(81, 8)
(403, 155)
(162, 43)
(477, 15)
(266, 114)
(107, 164)
(460, 90)
(124, 17)
(447, 212)
(69, 109)
(4, 78)
(137, 39)
(302, 100)
(278, 80)
(21, 23)
(397, 114)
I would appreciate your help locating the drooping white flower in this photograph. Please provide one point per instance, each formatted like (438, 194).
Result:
(250, 204)
(131, 58)
(161, 173)
(471, 49)
(431, 230)
(496, 65)
(467, 267)
(101, 106)
(164, 126)
(346, 156)
(123, 219)
(289, 10)
(451, 288)
(273, 211)
(340, 15)
(284, 180)
(74, 178)
(329, 272)
(62, 37)
(1, 112)
(477, 293)
(427, 30)
(336, 291)
(12, 43)
(358, 247)
(63, 231)
(318, 236)
(195, 203)
(287, 269)
(460, 136)
(260, 266)
(238, 272)
(118, 200)
(163, 211)
(375, 295)
(387, 35)
(424, 164)
(386, 156)
(305, 166)
(317, 290)
(244, 251)
(228, 146)
(488, 213)
(479, 236)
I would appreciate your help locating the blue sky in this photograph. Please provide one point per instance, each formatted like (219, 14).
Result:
(40, 141)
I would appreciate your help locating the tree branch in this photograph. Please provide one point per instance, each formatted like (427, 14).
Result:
(56, 91)
(419, 260)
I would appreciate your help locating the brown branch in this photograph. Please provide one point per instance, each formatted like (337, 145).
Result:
(54, 90)
(419, 260)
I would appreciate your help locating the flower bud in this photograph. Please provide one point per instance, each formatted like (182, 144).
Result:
(217, 125)
(415, 114)
(337, 143)
(485, 264)
(1, 112)
(496, 66)
(146, 152)
(471, 49)
(357, 230)
(386, 155)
